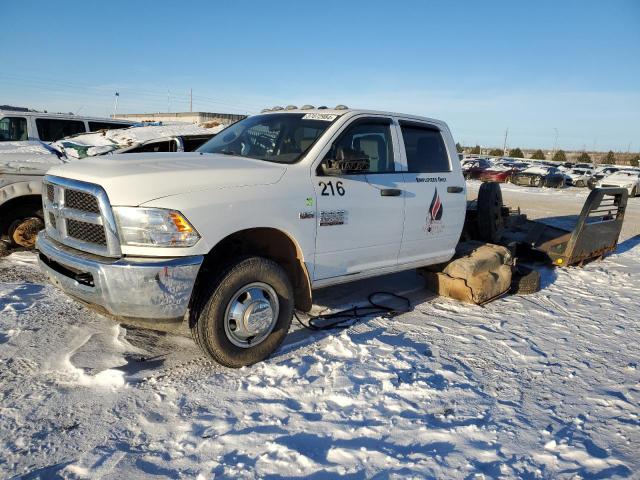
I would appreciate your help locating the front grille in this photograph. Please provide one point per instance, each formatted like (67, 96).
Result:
(86, 232)
(610, 186)
(81, 201)
(79, 215)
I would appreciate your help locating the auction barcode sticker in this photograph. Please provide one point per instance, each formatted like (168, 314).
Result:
(329, 117)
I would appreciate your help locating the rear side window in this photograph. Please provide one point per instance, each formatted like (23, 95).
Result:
(52, 129)
(13, 129)
(425, 149)
(95, 126)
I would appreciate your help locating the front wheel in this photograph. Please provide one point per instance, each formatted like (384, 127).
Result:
(247, 314)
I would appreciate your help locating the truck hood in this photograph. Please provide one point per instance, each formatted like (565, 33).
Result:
(136, 178)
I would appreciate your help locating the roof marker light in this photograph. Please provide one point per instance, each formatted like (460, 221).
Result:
(291, 107)
(341, 107)
(307, 107)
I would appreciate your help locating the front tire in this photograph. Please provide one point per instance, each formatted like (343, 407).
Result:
(247, 313)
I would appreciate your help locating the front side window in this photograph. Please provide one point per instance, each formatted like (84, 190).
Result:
(53, 129)
(426, 152)
(162, 146)
(191, 143)
(366, 142)
(13, 129)
(280, 138)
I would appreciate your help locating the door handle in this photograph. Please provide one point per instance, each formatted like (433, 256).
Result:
(455, 189)
(390, 192)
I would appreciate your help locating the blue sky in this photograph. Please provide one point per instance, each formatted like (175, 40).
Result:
(483, 66)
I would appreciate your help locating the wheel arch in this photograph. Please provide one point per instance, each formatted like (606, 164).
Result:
(266, 242)
(17, 202)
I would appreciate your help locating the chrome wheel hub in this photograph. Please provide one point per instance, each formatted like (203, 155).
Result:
(251, 315)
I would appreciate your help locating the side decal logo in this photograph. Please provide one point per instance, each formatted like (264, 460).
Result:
(434, 216)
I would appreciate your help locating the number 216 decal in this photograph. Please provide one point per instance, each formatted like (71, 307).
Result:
(328, 188)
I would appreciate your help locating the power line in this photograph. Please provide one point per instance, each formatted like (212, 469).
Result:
(107, 90)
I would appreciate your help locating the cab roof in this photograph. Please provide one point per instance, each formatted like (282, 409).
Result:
(352, 112)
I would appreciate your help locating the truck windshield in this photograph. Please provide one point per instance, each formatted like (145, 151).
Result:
(281, 138)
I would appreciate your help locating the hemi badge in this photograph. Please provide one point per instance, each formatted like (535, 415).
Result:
(306, 215)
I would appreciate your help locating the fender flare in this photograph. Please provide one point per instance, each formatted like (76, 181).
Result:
(20, 189)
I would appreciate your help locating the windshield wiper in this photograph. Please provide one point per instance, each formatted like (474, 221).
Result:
(229, 152)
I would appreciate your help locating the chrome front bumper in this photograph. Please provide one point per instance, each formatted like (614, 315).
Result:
(143, 289)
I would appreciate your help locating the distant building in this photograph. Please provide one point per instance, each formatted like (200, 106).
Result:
(187, 117)
(15, 109)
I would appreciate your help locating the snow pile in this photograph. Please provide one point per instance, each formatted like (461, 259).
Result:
(105, 141)
(31, 147)
(542, 386)
(29, 157)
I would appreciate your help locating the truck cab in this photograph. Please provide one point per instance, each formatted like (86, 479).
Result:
(235, 236)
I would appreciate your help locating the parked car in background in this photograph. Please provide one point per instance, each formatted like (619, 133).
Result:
(629, 179)
(577, 177)
(472, 169)
(502, 172)
(599, 174)
(565, 167)
(19, 126)
(539, 176)
(588, 166)
(24, 163)
(152, 138)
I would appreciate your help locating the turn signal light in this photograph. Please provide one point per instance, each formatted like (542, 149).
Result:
(180, 222)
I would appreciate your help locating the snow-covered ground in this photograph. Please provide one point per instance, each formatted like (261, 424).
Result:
(539, 386)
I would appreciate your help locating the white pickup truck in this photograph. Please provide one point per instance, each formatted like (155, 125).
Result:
(235, 236)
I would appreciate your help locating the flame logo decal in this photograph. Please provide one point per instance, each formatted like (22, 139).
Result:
(435, 210)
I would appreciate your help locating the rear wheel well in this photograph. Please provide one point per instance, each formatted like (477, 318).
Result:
(17, 208)
(262, 242)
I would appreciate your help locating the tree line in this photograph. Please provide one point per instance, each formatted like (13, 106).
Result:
(559, 156)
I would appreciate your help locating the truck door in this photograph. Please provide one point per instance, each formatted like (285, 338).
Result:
(359, 214)
(435, 203)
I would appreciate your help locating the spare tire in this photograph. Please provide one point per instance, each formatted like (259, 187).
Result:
(525, 280)
(490, 220)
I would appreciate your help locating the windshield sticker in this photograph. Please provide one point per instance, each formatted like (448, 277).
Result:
(329, 117)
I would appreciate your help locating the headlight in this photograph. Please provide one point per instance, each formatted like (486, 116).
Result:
(628, 185)
(154, 227)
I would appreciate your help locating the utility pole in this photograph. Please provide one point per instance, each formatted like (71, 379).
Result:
(504, 146)
(115, 106)
(168, 101)
(191, 99)
(555, 142)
